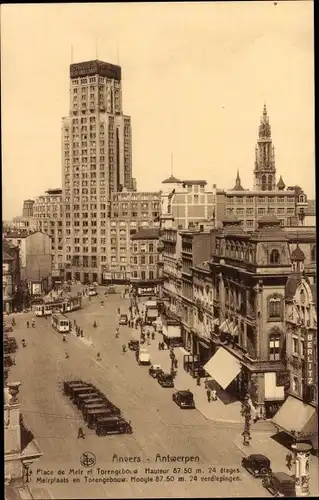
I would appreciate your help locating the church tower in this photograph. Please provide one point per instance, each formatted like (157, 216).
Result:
(265, 169)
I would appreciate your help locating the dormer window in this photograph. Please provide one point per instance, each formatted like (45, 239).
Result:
(274, 257)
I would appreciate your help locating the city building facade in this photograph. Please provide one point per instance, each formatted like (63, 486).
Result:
(144, 259)
(189, 202)
(48, 212)
(97, 161)
(35, 254)
(268, 196)
(234, 299)
(10, 276)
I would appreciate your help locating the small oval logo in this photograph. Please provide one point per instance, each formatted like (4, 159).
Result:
(88, 459)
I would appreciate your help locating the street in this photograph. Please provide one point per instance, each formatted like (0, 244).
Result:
(160, 428)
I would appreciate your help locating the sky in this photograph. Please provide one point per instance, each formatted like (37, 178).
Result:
(195, 79)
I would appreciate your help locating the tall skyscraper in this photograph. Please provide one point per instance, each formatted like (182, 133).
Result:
(96, 162)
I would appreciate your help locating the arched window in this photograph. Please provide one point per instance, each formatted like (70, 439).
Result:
(263, 182)
(313, 253)
(301, 198)
(274, 257)
(269, 182)
(274, 346)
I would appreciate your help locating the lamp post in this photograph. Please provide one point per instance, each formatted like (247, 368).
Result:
(246, 413)
(172, 358)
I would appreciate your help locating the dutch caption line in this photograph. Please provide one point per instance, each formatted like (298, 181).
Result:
(142, 474)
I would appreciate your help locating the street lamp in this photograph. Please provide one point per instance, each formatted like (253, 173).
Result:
(246, 413)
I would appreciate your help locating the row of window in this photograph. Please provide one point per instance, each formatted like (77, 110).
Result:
(260, 199)
(260, 211)
(143, 260)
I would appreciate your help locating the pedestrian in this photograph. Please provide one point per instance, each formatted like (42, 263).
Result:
(214, 395)
(198, 380)
(208, 393)
(64, 338)
(175, 362)
(159, 346)
(289, 461)
(81, 434)
(82, 334)
(28, 324)
(98, 357)
(66, 354)
(153, 335)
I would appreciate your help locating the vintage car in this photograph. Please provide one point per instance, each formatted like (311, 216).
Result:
(111, 289)
(7, 328)
(123, 319)
(86, 395)
(133, 345)
(280, 484)
(75, 391)
(112, 425)
(257, 465)
(165, 379)
(93, 415)
(155, 371)
(90, 401)
(68, 384)
(184, 399)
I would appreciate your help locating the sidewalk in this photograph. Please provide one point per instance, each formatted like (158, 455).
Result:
(261, 443)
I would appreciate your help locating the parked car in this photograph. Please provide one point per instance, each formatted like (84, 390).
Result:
(112, 425)
(7, 329)
(257, 465)
(88, 401)
(111, 289)
(133, 345)
(86, 395)
(184, 399)
(75, 391)
(280, 484)
(165, 379)
(155, 371)
(93, 415)
(68, 384)
(123, 319)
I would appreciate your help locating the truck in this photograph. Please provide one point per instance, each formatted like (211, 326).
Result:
(144, 357)
(151, 311)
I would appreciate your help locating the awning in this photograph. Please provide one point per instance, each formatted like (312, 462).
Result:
(235, 331)
(294, 415)
(216, 322)
(172, 331)
(224, 327)
(202, 344)
(223, 367)
(272, 391)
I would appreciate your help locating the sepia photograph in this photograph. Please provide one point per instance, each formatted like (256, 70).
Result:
(159, 250)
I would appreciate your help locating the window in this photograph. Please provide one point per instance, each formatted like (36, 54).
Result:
(143, 275)
(143, 259)
(274, 308)
(151, 259)
(151, 275)
(295, 346)
(274, 347)
(295, 385)
(274, 257)
(196, 198)
(151, 247)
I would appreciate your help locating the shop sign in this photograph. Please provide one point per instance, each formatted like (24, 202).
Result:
(36, 288)
(107, 276)
(310, 375)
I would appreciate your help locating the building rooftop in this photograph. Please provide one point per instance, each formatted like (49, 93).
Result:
(195, 182)
(151, 233)
(23, 233)
(172, 180)
(298, 255)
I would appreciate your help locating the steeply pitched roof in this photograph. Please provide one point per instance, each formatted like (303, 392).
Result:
(311, 208)
(195, 182)
(151, 233)
(291, 285)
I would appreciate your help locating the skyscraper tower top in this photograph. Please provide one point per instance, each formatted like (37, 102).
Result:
(96, 67)
(264, 127)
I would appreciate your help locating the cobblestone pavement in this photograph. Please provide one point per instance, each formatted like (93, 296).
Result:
(160, 427)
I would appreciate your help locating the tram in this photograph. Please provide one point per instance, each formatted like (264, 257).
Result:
(48, 308)
(71, 304)
(60, 323)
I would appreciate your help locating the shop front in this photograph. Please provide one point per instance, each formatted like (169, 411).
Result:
(298, 419)
(203, 350)
(274, 395)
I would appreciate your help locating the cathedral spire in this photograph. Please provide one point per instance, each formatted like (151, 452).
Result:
(238, 186)
(265, 170)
